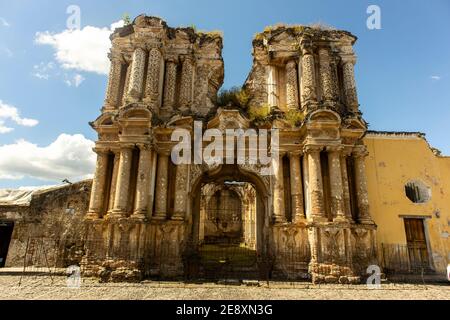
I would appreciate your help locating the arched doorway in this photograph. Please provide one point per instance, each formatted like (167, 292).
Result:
(229, 224)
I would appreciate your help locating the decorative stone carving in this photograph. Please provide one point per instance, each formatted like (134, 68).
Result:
(308, 84)
(187, 77)
(291, 85)
(349, 85)
(278, 194)
(170, 85)
(326, 77)
(154, 77)
(112, 92)
(137, 75)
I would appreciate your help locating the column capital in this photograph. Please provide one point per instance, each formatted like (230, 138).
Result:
(126, 145)
(334, 149)
(312, 148)
(295, 153)
(360, 152)
(101, 150)
(144, 146)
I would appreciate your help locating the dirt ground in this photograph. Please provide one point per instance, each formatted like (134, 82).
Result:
(56, 287)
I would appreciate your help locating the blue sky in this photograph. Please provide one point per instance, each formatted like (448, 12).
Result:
(402, 73)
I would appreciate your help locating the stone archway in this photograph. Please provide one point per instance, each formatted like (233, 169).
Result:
(257, 251)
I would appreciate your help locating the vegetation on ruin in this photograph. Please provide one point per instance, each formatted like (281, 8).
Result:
(259, 114)
(126, 19)
(234, 96)
(294, 117)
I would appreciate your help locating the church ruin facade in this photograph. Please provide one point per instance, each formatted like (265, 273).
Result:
(309, 219)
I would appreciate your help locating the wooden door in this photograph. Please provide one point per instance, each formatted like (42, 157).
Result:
(417, 244)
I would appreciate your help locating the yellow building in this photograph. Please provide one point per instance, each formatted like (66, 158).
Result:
(409, 195)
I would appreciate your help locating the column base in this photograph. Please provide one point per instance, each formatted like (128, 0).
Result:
(138, 215)
(340, 219)
(92, 216)
(115, 214)
(318, 219)
(178, 216)
(159, 216)
(366, 221)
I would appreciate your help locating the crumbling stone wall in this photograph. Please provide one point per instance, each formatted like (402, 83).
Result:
(49, 228)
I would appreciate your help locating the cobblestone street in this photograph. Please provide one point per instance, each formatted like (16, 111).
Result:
(38, 287)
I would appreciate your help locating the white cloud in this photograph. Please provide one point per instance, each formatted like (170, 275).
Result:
(75, 80)
(435, 78)
(69, 156)
(83, 49)
(12, 113)
(4, 23)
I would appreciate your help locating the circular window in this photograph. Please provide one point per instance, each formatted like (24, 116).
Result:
(417, 191)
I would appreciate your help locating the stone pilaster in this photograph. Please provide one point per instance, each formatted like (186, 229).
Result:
(162, 183)
(126, 84)
(98, 185)
(170, 85)
(337, 192)
(351, 96)
(279, 214)
(154, 77)
(114, 180)
(291, 85)
(181, 192)
(113, 90)
(143, 181)
(308, 79)
(123, 181)
(326, 77)
(298, 211)
(361, 186)
(137, 75)
(315, 182)
(187, 77)
(345, 184)
(272, 86)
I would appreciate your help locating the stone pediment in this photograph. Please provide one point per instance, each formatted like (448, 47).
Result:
(228, 119)
(324, 116)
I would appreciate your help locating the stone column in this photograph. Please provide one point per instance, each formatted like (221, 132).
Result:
(162, 184)
(137, 75)
(315, 182)
(337, 192)
(154, 77)
(351, 97)
(279, 213)
(98, 185)
(298, 211)
(345, 184)
(114, 180)
(170, 84)
(123, 181)
(113, 90)
(361, 186)
(308, 81)
(143, 181)
(326, 78)
(181, 192)
(291, 85)
(272, 86)
(187, 75)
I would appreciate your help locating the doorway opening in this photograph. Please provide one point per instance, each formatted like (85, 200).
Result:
(6, 229)
(228, 226)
